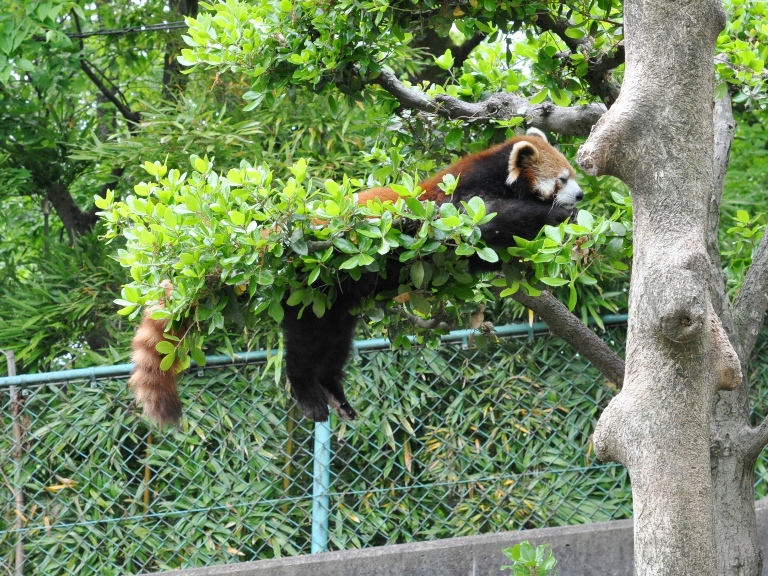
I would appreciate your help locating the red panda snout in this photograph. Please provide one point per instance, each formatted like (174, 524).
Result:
(569, 194)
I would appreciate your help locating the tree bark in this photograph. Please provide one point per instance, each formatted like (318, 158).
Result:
(734, 445)
(658, 138)
(571, 121)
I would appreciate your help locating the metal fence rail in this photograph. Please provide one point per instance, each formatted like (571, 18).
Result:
(449, 442)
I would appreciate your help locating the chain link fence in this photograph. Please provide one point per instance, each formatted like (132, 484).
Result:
(457, 441)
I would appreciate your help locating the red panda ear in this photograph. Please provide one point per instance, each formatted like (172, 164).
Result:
(523, 154)
(538, 133)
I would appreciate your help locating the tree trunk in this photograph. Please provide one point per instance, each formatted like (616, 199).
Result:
(733, 445)
(658, 138)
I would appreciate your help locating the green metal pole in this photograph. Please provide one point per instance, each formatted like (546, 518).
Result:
(18, 447)
(321, 485)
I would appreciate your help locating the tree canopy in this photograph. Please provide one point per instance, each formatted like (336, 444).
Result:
(364, 93)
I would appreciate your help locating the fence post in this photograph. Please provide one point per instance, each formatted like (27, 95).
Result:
(321, 484)
(15, 406)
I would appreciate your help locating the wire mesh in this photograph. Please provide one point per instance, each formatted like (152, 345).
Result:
(449, 442)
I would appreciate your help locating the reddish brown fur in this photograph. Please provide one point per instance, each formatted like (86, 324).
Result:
(549, 162)
(155, 389)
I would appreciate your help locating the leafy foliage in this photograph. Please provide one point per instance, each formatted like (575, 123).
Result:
(40, 313)
(527, 561)
(283, 44)
(291, 243)
(743, 46)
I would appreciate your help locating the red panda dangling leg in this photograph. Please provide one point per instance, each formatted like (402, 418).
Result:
(316, 350)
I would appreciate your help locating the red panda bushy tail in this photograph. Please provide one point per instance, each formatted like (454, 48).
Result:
(155, 389)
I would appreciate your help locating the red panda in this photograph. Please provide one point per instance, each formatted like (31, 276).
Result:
(525, 180)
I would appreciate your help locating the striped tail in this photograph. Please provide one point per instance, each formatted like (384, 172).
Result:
(155, 389)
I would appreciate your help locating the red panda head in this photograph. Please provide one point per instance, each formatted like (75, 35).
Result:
(551, 176)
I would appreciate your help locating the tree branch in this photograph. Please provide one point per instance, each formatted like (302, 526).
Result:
(132, 117)
(752, 301)
(128, 114)
(565, 325)
(436, 323)
(724, 126)
(755, 439)
(75, 220)
(599, 76)
(573, 121)
(435, 45)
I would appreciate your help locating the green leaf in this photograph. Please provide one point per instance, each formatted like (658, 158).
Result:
(575, 33)
(445, 61)
(417, 273)
(168, 361)
(476, 209)
(345, 245)
(237, 217)
(572, 297)
(165, 347)
(553, 281)
(276, 311)
(540, 96)
(554, 233)
(197, 355)
(453, 138)
(585, 219)
(488, 254)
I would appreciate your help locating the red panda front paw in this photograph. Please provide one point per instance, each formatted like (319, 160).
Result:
(558, 214)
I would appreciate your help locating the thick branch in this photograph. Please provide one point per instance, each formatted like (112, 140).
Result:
(756, 439)
(724, 126)
(127, 113)
(752, 301)
(436, 323)
(568, 327)
(75, 220)
(574, 121)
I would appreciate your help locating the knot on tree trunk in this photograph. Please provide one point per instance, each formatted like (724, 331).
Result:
(726, 364)
(678, 279)
(681, 325)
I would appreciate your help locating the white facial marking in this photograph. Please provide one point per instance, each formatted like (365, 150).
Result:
(546, 187)
(569, 194)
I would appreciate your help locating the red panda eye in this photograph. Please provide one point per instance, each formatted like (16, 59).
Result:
(563, 180)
